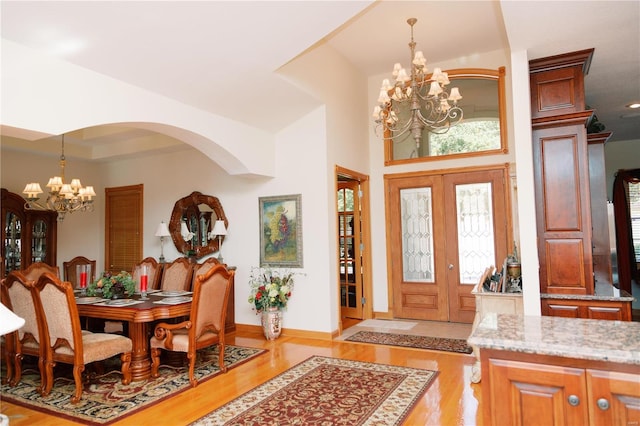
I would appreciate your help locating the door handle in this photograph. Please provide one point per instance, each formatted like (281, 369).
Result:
(451, 266)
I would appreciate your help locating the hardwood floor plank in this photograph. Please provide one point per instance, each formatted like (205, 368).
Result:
(451, 399)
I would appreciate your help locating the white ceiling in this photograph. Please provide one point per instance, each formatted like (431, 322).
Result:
(223, 56)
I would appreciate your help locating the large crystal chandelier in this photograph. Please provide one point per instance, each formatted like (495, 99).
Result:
(407, 106)
(63, 197)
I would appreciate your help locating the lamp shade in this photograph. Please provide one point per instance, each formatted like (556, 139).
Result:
(219, 228)
(9, 321)
(163, 230)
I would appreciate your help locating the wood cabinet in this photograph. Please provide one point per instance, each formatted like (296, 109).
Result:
(570, 191)
(28, 236)
(599, 214)
(591, 309)
(526, 389)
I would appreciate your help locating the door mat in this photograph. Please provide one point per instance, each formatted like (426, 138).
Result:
(396, 325)
(328, 391)
(106, 399)
(411, 341)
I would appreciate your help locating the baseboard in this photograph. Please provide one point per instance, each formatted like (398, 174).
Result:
(290, 332)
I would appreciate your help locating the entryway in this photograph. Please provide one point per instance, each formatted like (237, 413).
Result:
(445, 228)
(353, 236)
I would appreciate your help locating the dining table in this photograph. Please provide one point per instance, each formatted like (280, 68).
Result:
(139, 313)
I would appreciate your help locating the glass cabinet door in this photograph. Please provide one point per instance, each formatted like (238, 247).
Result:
(12, 243)
(39, 241)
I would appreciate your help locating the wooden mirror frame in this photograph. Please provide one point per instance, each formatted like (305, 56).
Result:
(190, 203)
(463, 73)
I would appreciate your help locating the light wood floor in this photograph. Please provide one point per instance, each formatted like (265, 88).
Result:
(450, 400)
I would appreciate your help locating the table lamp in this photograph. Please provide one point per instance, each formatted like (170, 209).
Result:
(162, 232)
(219, 230)
(9, 321)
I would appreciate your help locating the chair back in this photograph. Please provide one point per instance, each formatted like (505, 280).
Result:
(61, 315)
(209, 306)
(177, 275)
(70, 270)
(154, 273)
(203, 268)
(33, 271)
(18, 294)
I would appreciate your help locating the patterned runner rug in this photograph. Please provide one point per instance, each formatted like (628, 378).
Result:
(328, 391)
(411, 341)
(106, 399)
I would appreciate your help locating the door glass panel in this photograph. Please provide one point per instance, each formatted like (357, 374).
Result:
(417, 235)
(348, 288)
(39, 241)
(476, 248)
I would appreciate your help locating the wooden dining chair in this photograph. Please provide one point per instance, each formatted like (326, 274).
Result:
(155, 272)
(177, 275)
(203, 268)
(70, 272)
(67, 343)
(18, 294)
(205, 326)
(33, 271)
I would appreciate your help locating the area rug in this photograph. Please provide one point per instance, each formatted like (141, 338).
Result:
(106, 399)
(328, 391)
(396, 325)
(410, 341)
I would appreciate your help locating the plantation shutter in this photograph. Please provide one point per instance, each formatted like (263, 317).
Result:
(123, 221)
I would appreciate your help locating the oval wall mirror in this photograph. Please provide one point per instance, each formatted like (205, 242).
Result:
(192, 221)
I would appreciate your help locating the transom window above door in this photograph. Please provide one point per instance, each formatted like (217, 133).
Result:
(482, 130)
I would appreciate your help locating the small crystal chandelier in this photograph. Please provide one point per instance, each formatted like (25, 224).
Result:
(435, 110)
(63, 197)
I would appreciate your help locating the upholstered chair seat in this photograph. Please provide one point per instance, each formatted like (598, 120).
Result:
(18, 294)
(67, 343)
(205, 326)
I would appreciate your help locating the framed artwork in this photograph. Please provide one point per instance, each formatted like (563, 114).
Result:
(281, 231)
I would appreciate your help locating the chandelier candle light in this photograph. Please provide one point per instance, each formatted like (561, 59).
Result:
(435, 110)
(63, 197)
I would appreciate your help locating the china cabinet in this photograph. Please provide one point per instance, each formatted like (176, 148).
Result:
(28, 236)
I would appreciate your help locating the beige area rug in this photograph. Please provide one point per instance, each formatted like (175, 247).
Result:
(106, 399)
(328, 391)
(395, 325)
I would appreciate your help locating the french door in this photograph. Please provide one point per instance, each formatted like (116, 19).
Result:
(444, 231)
(350, 256)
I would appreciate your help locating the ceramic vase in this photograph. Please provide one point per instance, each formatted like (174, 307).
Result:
(271, 323)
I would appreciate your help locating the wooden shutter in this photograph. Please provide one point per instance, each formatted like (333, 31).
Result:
(124, 224)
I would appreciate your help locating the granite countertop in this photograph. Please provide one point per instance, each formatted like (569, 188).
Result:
(603, 291)
(600, 340)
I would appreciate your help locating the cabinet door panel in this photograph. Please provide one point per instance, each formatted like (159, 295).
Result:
(621, 391)
(535, 394)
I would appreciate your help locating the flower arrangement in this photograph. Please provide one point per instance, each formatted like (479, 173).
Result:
(111, 285)
(270, 288)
